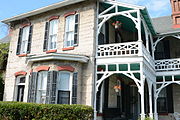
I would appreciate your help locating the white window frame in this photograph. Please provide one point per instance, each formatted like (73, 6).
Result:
(52, 34)
(69, 31)
(24, 40)
(17, 83)
(70, 85)
(39, 98)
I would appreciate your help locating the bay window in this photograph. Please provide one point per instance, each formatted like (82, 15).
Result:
(53, 87)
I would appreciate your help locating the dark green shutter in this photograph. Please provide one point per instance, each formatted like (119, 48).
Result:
(51, 87)
(29, 39)
(76, 29)
(19, 42)
(32, 87)
(46, 36)
(74, 88)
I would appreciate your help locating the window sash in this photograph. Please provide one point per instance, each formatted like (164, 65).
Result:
(24, 41)
(41, 87)
(53, 30)
(69, 31)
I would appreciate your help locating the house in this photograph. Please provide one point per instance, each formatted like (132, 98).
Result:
(106, 54)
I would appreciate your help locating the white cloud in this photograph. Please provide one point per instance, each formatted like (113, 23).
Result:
(156, 8)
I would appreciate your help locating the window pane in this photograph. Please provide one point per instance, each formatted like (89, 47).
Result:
(63, 97)
(64, 81)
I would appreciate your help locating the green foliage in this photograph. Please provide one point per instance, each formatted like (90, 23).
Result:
(4, 49)
(32, 111)
(147, 118)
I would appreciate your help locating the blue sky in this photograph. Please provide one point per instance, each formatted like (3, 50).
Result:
(11, 8)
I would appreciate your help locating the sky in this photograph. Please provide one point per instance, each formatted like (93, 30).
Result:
(9, 8)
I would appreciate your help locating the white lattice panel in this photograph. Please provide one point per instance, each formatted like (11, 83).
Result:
(167, 65)
(119, 49)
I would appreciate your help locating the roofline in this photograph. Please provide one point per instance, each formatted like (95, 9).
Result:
(125, 4)
(41, 10)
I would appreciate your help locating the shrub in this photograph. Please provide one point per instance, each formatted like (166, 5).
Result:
(32, 111)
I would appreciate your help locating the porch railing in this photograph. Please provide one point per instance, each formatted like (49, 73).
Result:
(124, 49)
(118, 49)
(167, 64)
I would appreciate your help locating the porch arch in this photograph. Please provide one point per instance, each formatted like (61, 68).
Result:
(162, 38)
(128, 74)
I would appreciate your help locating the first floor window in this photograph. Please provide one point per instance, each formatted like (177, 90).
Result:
(64, 88)
(41, 87)
(19, 89)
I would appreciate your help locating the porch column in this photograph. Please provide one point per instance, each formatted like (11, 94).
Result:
(150, 100)
(138, 25)
(142, 97)
(155, 104)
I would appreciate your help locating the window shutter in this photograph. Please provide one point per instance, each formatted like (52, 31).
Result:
(19, 42)
(76, 29)
(74, 88)
(32, 87)
(51, 87)
(46, 36)
(29, 39)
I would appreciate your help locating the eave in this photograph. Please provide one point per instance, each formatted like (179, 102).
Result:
(57, 56)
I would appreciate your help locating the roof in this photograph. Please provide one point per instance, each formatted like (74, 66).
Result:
(163, 25)
(41, 10)
(5, 39)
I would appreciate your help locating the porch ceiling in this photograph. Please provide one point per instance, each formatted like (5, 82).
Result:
(127, 23)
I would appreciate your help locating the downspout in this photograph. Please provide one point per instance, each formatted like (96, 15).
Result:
(95, 54)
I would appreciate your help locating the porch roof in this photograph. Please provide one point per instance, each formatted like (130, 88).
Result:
(124, 7)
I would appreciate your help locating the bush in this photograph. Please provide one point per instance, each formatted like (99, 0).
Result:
(32, 111)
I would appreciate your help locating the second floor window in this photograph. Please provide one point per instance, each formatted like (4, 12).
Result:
(24, 40)
(50, 39)
(71, 30)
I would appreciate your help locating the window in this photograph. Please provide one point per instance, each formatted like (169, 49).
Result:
(64, 88)
(19, 88)
(24, 40)
(41, 87)
(50, 39)
(71, 30)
